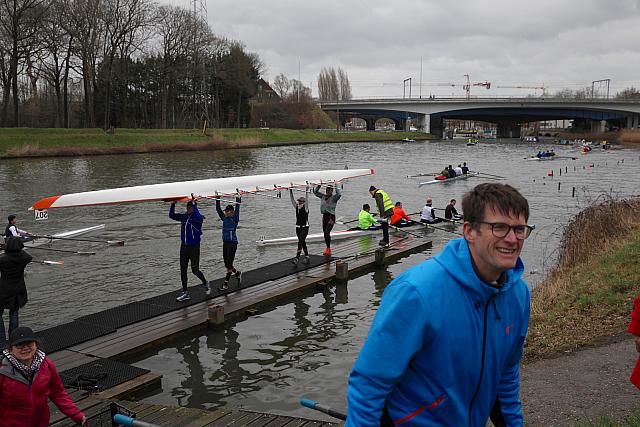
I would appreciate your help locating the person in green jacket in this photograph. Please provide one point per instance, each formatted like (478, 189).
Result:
(366, 220)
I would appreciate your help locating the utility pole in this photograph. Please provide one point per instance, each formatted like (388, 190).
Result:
(420, 77)
(199, 102)
(299, 83)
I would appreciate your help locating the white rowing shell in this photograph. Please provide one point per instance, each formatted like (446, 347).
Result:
(65, 234)
(179, 191)
(335, 235)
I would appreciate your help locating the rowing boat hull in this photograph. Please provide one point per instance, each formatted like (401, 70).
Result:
(316, 237)
(179, 191)
(65, 234)
(457, 178)
(542, 158)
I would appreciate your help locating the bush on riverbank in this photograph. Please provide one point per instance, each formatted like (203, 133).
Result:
(587, 297)
(29, 142)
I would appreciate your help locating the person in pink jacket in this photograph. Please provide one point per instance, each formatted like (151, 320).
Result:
(28, 379)
(634, 329)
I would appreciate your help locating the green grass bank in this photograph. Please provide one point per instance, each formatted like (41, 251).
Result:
(586, 299)
(35, 142)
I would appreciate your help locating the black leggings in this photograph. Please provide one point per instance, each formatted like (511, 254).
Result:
(229, 254)
(190, 254)
(302, 232)
(328, 220)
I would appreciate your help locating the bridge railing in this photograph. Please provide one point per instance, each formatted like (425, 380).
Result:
(545, 99)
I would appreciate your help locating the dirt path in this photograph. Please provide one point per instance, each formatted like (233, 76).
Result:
(580, 386)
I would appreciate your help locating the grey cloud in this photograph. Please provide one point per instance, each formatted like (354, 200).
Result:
(558, 42)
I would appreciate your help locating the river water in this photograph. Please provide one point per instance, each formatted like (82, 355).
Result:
(302, 347)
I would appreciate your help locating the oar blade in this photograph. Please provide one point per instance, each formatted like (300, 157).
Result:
(53, 262)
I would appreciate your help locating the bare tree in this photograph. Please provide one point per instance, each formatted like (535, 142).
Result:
(5, 77)
(345, 85)
(19, 23)
(282, 85)
(53, 62)
(85, 23)
(328, 87)
(628, 93)
(173, 29)
(123, 20)
(299, 90)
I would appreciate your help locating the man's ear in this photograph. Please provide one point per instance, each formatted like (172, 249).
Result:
(469, 231)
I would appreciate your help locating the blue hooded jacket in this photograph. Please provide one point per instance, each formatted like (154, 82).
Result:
(443, 348)
(191, 228)
(229, 224)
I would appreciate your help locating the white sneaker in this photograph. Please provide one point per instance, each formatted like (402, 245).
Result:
(183, 297)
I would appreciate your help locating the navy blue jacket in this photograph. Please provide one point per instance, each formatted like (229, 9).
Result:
(229, 224)
(191, 228)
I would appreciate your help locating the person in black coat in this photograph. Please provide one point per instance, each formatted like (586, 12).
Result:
(13, 291)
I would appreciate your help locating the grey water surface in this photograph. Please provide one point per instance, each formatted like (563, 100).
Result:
(302, 347)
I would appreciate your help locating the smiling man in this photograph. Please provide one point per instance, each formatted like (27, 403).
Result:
(446, 343)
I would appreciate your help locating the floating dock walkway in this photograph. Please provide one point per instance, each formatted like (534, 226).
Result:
(87, 351)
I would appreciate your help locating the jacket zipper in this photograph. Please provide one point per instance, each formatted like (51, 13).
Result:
(484, 348)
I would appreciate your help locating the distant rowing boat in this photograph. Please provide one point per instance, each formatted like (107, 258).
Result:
(38, 241)
(457, 178)
(541, 158)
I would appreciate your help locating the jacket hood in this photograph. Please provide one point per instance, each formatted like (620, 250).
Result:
(456, 253)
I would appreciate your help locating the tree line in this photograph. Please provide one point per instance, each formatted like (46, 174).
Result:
(122, 63)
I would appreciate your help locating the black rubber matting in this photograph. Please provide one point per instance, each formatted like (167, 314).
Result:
(69, 334)
(117, 317)
(100, 374)
(104, 322)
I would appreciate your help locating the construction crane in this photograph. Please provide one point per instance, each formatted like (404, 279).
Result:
(467, 86)
(542, 87)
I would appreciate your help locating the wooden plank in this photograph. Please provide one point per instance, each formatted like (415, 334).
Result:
(148, 380)
(208, 418)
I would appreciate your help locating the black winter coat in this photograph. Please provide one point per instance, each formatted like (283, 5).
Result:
(13, 291)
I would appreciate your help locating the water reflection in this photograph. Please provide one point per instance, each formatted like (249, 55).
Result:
(302, 347)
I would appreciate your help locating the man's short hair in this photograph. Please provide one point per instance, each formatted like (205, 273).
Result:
(11, 217)
(452, 200)
(398, 203)
(189, 204)
(229, 208)
(365, 207)
(501, 198)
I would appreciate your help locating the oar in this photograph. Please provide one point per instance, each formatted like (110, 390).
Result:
(423, 174)
(47, 262)
(405, 231)
(444, 229)
(455, 221)
(62, 250)
(488, 174)
(74, 239)
(312, 404)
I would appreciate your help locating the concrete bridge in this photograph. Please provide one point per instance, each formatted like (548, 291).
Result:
(507, 113)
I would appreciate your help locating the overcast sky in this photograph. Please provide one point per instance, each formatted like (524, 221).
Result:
(555, 43)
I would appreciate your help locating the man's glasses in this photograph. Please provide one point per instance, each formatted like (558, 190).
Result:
(500, 229)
